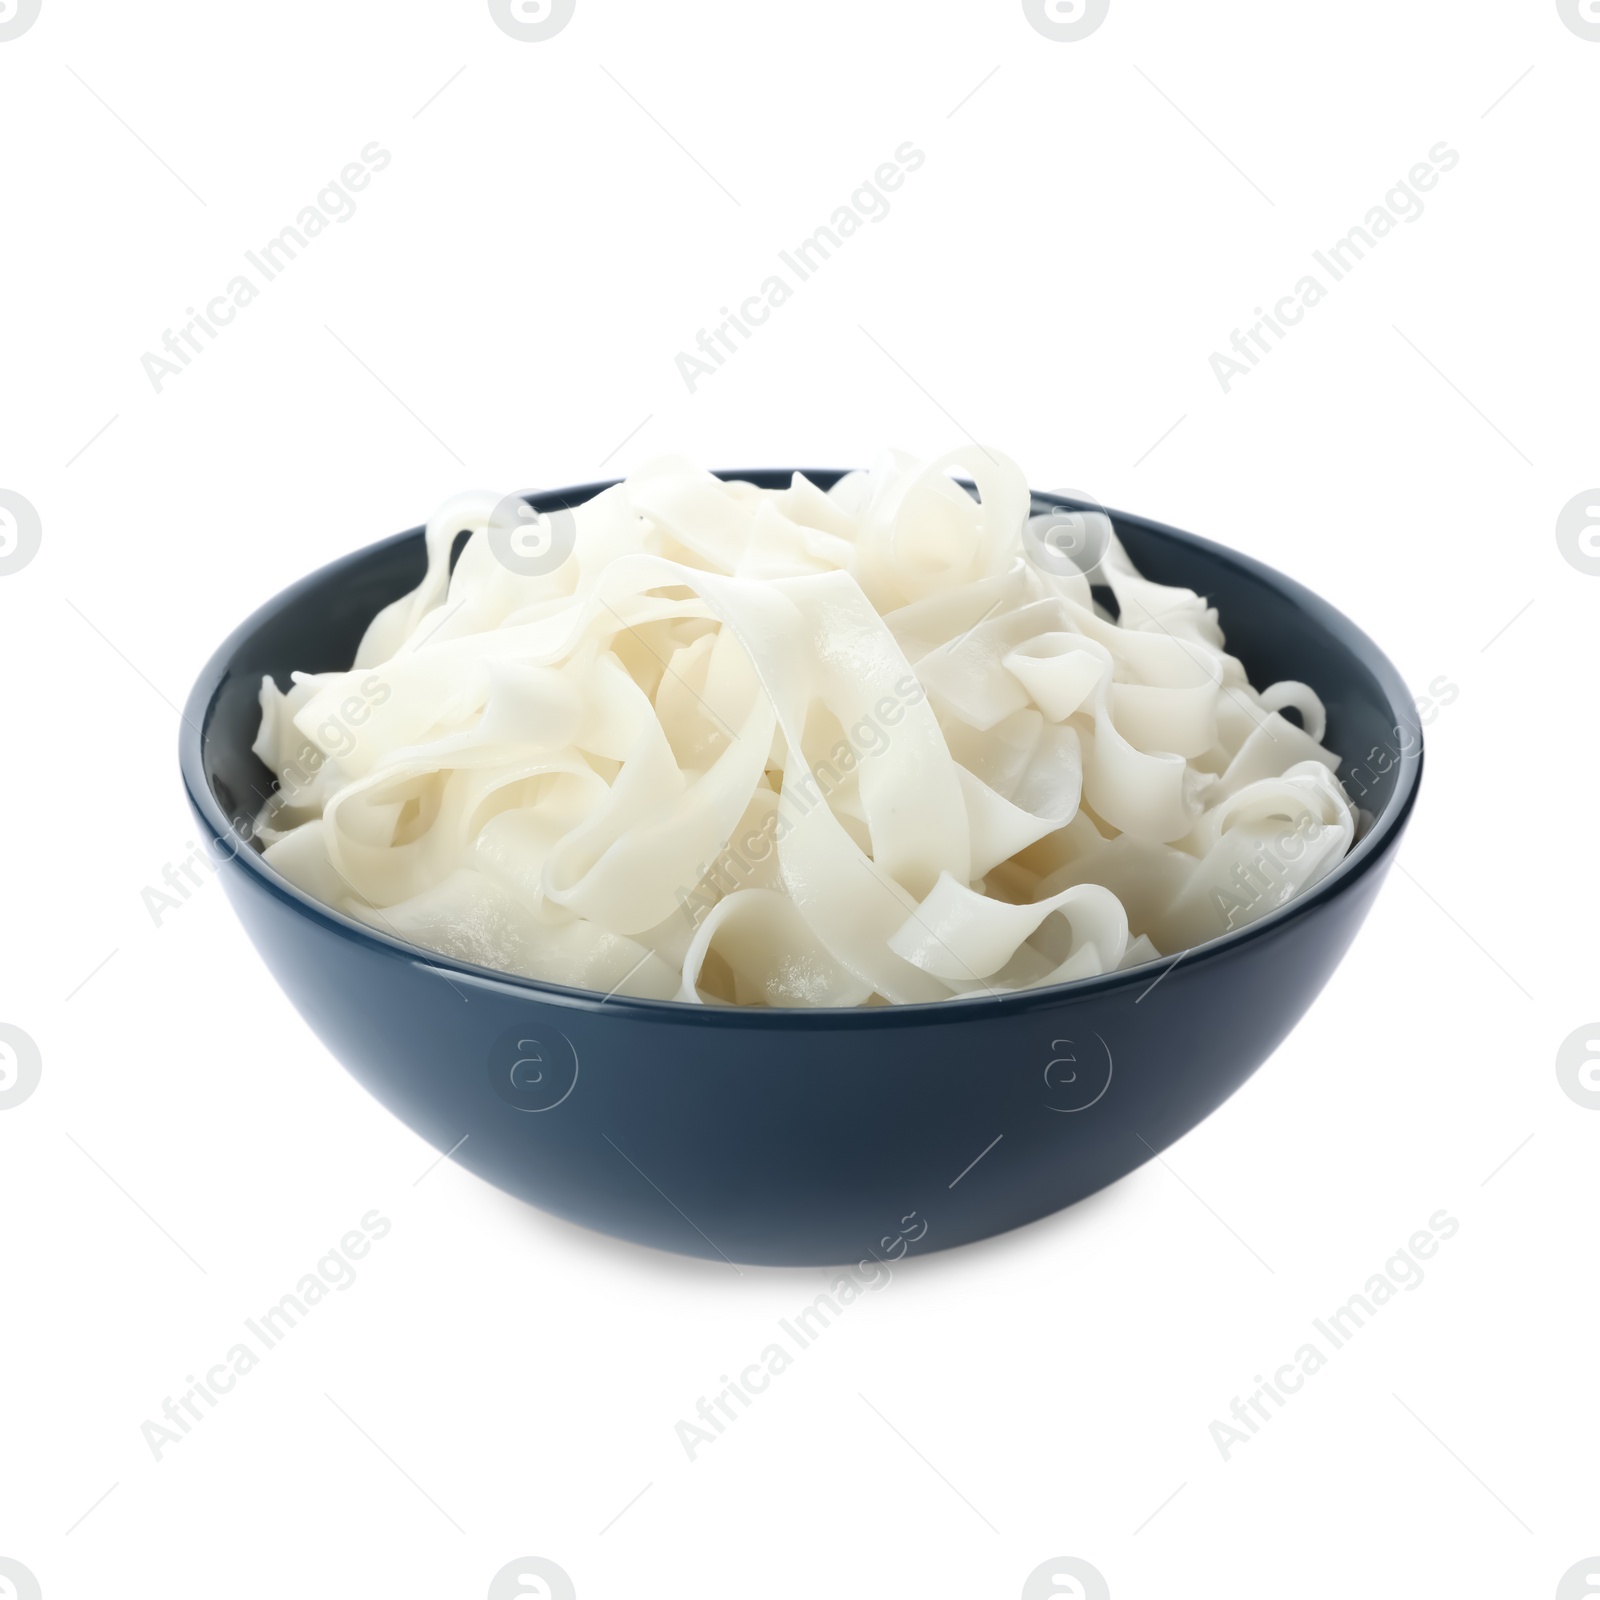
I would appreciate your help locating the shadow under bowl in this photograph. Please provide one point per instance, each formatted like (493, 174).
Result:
(805, 1137)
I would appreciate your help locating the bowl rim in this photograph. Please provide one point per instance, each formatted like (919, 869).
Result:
(1368, 851)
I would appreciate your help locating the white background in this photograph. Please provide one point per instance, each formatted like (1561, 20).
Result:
(558, 221)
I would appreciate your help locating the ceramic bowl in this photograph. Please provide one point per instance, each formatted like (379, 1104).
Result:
(805, 1137)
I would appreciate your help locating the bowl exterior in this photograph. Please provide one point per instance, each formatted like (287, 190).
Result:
(711, 1134)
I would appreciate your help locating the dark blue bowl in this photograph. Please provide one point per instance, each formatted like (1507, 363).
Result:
(806, 1137)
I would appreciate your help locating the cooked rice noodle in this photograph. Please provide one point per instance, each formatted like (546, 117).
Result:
(797, 748)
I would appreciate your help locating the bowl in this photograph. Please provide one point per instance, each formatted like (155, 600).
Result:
(805, 1137)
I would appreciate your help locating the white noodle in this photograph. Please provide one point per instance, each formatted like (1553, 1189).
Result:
(796, 748)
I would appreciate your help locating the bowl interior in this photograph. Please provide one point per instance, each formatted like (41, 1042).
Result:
(1276, 627)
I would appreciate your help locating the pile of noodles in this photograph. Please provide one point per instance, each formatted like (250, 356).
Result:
(702, 741)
